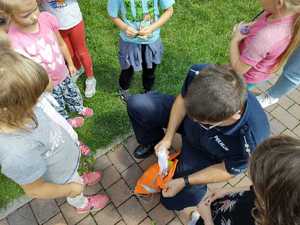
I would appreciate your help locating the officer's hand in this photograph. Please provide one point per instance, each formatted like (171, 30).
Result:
(173, 187)
(163, 144)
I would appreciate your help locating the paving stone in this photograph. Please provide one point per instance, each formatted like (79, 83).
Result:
(295, 96)
(3, 222)
(285, 102)
(297, 131)
(87, 221)
(149, 202)
(70, 214)
(44, 209)
(270, 108)
(290, 133)
(236, 179)
(58, 219)
(264, 86)
(60, 201)
(285, 117)
(120, 158)
(102, 163)
(110, 176)
(175, 221)
(121, 223)
(215, 186)
(244, 182)
(276, 127)
(295, 111)
(103, 193)
(148, 162)
(109, 215)
(92, 190)
(132, 212)
(147, 221)
(161, 215)
(23, 216)
(130, 144)
(184, 215)
(131, 175)
(119, 192)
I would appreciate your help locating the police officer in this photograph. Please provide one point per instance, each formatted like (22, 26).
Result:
(220, 123)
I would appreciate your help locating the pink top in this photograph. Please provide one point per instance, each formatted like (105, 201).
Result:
(42, 47)
(263, 46)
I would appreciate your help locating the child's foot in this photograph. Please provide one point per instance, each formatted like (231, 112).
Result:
(84, 149)
(76, 122)
(266, 100)
(87, 112)
(124, 94)
(91, 178)
(90, 87)
(95, 203)
(78, 73)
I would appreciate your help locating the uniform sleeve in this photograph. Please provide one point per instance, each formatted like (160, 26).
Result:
(52, 20)
(236, 165)
(113, 8)
(22, 169)
(165, 4)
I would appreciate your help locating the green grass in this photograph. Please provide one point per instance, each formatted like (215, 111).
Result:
(199, 32)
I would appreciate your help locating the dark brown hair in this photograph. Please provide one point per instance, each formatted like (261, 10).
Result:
(275, 173)
(215, 94)
(22, 82)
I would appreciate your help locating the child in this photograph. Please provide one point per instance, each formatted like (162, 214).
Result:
(36, 152)
(256, 53)
(140, 44)
(71, 27)
(36, 36)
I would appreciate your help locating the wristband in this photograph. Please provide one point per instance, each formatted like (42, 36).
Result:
(186, 181)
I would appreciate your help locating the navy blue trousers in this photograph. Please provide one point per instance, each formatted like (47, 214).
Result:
(149, 114)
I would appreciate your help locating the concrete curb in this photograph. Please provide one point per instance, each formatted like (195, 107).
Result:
(21, 201)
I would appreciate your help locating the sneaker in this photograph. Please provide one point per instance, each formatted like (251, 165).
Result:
(84, 149)
(124, 94)
(266, 100)
(95, 203)
(91, 178)
(194, 217)
(78, 73)
(90, 87)
(87, 112)
(76, 122)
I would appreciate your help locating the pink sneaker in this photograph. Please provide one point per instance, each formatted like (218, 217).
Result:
(76, 121)
(84, 149)
(87, 112)
(95, 203)
(91, 178)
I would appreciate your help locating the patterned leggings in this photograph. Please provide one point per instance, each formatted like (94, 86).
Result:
(67, 94)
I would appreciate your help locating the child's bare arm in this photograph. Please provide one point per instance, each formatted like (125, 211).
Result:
(159, 23)
(65, 51)
(236, 63)
(130, 31)
(44, 190)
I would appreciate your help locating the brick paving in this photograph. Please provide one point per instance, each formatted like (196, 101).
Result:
(120, 172)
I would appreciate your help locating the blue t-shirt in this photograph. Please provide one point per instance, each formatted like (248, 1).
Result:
(137, 14)
(231, 144)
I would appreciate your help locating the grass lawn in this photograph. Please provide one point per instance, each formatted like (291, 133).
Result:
(199, 32)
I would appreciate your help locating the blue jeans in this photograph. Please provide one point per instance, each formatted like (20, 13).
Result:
(290, 77)
(149, 114)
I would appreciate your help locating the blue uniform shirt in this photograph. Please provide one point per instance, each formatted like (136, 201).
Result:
(232, 144)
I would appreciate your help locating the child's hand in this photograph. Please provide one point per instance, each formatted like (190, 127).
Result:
(131, 32)
(72, 69)
(237, 35)
(146, 31)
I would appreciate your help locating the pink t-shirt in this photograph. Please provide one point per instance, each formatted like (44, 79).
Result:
(263, 46)
(42, 47)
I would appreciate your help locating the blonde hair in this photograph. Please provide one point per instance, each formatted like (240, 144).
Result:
(294, 6)
(4, 40)
(22, 82)
(9, 6)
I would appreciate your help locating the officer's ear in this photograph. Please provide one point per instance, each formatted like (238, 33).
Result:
(237, 115)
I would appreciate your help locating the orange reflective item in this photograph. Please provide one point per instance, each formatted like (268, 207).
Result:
(151, 182)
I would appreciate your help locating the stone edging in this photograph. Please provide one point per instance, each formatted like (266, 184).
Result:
(21, 201)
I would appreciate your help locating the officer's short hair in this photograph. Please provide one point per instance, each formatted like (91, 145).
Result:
(215, 94)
